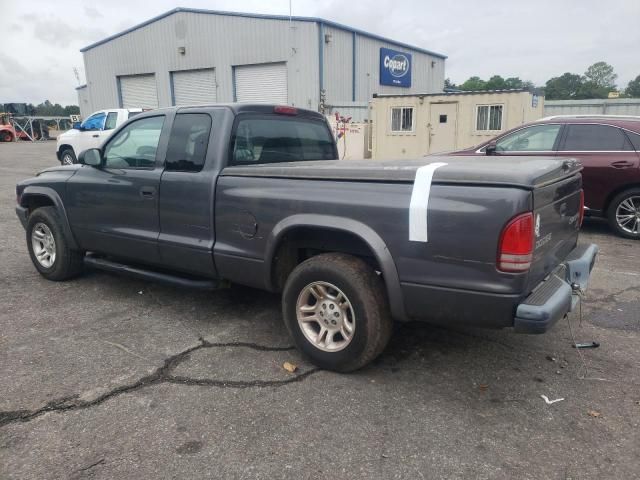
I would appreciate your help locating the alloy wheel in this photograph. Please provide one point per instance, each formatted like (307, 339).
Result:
(325, 316)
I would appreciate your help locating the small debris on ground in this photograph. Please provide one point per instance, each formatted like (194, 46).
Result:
(594, 413)
(549, 402)
(551, 359)
(140, 292)
(289, 367)
(483, 387)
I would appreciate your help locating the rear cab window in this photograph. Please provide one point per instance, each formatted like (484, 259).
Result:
(265, 138)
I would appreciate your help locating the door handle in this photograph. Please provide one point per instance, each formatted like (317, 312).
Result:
(622, 164)
(147, 192)
(96, 136)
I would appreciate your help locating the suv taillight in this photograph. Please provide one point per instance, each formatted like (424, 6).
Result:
(581, 212)
(515, 250)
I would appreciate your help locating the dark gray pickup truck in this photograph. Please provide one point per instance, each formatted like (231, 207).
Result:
(253, 194)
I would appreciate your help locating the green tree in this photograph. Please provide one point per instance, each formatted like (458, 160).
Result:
(496, 83)
(474, 83)
(591, 89)
(448, 84)
(72, 110)
(601, 75)
(633, 88)
(564, 87)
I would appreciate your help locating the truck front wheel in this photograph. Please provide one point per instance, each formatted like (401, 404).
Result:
(49, 247)
(67, 157)
(336, 309)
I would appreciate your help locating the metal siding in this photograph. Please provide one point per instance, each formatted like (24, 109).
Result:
(338, 59)
(265, 83)
(610, 106)
(222, 42)
(138, 91)
(211, 41)
(83, 102)
(194, 87)
(424, 77)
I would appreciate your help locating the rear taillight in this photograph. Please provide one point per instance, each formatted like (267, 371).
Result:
(285, 110)
(581, 212)
(515, 250)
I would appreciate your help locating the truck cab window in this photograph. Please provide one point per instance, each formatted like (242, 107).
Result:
(271, 139)
(112, 120)
(188, 142)
(135, 145)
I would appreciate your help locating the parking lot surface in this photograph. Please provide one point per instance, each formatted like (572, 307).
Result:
(107, 377)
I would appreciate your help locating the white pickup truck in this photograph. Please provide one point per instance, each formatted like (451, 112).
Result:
(91, 132)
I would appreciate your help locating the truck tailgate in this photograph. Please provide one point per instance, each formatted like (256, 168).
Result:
(556, 209)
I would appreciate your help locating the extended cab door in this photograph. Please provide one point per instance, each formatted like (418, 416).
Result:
(113, 209)
(187, 193)
(607, 156)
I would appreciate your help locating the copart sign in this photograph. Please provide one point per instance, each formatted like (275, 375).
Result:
(395, 68)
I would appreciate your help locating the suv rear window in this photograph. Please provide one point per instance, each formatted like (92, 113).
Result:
(274, 139)
(596, 138)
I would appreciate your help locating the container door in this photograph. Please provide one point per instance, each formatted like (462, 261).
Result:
(443, 127)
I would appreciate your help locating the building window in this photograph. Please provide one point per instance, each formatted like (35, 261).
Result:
(489, 117)
(402, 119)
(443, 119)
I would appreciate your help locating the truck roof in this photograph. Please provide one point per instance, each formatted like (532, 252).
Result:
(237, 108)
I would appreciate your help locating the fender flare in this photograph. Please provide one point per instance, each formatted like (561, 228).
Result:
(51, 194)
(347, 225)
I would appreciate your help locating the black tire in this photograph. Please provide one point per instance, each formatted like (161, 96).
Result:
(68, 263)
(6, 137)
(632, 193)
(67, 155)
(367, 296)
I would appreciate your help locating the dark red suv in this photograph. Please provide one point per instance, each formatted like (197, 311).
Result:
(609, 149)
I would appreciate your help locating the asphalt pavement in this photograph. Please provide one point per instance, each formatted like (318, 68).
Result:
(105, 377)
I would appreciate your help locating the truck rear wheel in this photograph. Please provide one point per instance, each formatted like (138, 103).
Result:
(49, 247)
(67, 157)
(6, 136)
(336, 309)
(624, 214)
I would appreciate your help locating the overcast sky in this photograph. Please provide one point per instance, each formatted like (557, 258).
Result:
(533, 40)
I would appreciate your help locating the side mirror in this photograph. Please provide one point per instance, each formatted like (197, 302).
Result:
(76, 126)
(91, 157)
(490, 149)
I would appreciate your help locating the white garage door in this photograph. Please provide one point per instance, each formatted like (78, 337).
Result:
(264, 83)
(194, 87)
(139, 91)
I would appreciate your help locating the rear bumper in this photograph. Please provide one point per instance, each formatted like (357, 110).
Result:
(558, 294)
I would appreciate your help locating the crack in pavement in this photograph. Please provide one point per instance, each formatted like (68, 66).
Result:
(160, 375)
